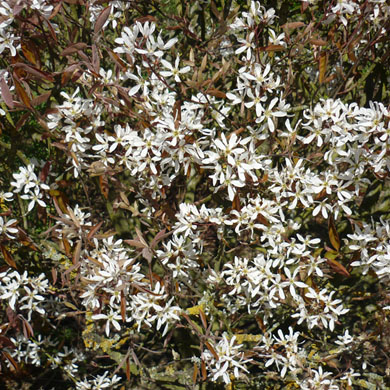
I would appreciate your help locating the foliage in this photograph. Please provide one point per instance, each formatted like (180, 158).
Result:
(194, 194)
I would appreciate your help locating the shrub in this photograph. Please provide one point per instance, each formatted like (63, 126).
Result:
(195, 195)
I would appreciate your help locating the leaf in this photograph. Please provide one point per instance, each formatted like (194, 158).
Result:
(101, 19)
(94, 229)
(45, 171)
(11, 360)
(216, 92)
(322, 67)
(158, 237)
(236, 203)
(274, 48)
(203, 318)
(338, 267)
(55, 10)
(116, 59)
(73, 48)
(123, 307)
(77, 252)
(73, 217)
(103, 183)
(6, 93)
(317, 42)
(34, 71)
(333, 235)
(40, 99)
(7, 257)
(22, 94)
(51, 29)
(28, 53)
(195, 373)
(212, 350)
(204, 371)
(128, 372)
(292, 25)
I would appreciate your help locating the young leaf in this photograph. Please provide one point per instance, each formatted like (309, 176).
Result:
(7, 257)
(102, 18)
(22, 93)
(322, 67)
(6, 94)
(337, 267)
(333, 235)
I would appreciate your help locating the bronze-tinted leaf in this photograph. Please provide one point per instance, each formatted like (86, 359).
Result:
(30, 55)
(203, 318)
(123, 307)
(322, 67)
(292, 25)
(7, 257)
(94, 230)
(338, 267)
(55, 10)
(274, 48)
(216, 92)
(22, 94)
(212, 350)
(101, 19)
(333, 235)
(77, 252)
(318, 42)
(73, 48)
(34, 71)
(195, 373)
(51, 30)
(203, 369)
(6, 94)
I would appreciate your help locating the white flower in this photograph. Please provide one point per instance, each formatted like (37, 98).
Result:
(174, 70)
(112, 318)
(6, 227)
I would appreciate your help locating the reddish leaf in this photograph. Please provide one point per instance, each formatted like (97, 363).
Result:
(101, 19)
(322, 67)
(94, 230)
(34, 71)
(333, 235)
(55, 10)
(123, 307)
(95, 58)
(30, 55)
(203, 369)
(28, 331)
(22, 94)
(338, 268)
(216, 92)
(11, 360)
(103, 183)
(51, 29)
(7, 257)
(73, 48)
(212, 350)
(274, 48)
(6, 94)
(45, 171)
(128, 372)
(203, 318)
(318, 42)
(40, 99)
(66, 244)
(293, 25)
(77, 252)
(195, 373)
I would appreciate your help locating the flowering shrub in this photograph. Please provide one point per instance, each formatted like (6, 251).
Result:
(195, 194)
